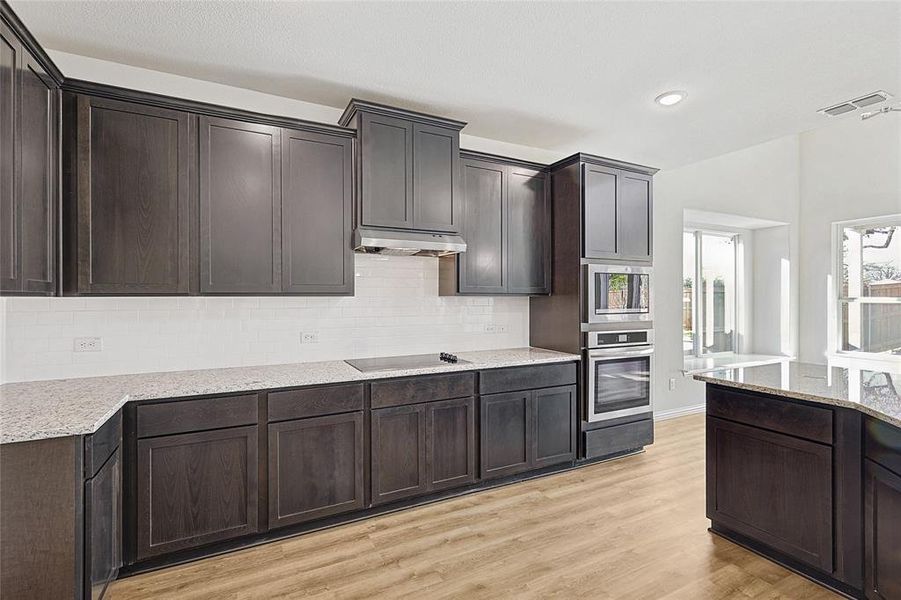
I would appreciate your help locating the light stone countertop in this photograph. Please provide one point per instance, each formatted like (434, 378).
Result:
(872, 388)
(36, 410)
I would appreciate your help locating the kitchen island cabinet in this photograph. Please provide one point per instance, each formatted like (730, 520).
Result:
(804, 467)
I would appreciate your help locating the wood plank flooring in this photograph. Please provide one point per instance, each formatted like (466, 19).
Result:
(633, 528)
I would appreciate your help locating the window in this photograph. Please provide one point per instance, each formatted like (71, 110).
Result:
(868, 259)
(709, 310)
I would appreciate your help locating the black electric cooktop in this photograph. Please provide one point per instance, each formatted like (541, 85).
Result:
(412, 361)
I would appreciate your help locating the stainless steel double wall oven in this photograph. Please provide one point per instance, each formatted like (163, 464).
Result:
(618, 340)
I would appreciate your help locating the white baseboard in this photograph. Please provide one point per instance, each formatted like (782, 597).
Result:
(679, 412)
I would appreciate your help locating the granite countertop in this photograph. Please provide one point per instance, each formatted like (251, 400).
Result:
(870, 387)
(36, 410)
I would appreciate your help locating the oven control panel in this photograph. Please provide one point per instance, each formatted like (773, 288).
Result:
(613, 339)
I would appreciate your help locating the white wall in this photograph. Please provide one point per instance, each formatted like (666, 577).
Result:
(850, 170)
(771, 304)
(761, 182)
(396, 310)
(92, 69)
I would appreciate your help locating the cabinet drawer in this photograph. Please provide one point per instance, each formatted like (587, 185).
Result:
(610, 440)
(525, 378)
(182, 416)
(427, 388)
(784, 416)
(315, 402)
(101, 444)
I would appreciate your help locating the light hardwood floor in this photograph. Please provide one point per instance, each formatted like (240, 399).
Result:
(633, 528)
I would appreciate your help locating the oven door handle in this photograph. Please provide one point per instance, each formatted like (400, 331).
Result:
(620, 352)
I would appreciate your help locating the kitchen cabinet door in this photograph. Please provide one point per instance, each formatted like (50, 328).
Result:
(505, 433)
(882, 532)
(482, 268)
(451, 443)
(398, 439)
(600, 191)
(386, 171)
(315, 468)
(634, 217)
(528, 229)
(133, 190)
(10, 243)
(103, 537)
(240, 207)
(196, 488)
(436, 172)
(555, 425)
(38, 193)
(29, 156)
(773, 487)
(317, 196)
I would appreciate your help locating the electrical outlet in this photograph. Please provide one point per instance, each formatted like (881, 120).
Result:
(672, 384)
(309, 337)
(490, 328)
(88, 344)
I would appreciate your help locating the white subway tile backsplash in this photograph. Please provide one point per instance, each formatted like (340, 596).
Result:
(396, 310)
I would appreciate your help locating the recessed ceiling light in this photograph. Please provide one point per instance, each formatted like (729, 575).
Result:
(670, 98)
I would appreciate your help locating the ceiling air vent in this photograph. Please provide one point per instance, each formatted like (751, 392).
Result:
(852, 105)
(874, 98)
(838, 109)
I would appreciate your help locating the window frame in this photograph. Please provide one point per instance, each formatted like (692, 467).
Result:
(837, 300)
(696, 321)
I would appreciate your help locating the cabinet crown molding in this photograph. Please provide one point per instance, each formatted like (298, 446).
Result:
(356, 105)
(103, 90)
(496, 158)
(31, 45)
(603, 161)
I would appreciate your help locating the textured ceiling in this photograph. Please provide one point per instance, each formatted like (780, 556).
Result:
(560, 76)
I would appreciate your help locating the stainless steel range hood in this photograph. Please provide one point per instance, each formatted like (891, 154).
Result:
(406, 243)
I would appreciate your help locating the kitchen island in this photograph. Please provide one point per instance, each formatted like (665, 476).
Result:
(804, 467)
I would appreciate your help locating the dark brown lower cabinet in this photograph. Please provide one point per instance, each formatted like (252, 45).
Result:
(196, 488)
(421, 448)
(450, 429)
(527, 430)
(315, 468)
(882, 532)
(506, 421)
(772, 487)
(103, 533)
(555, 425)
(398, 453)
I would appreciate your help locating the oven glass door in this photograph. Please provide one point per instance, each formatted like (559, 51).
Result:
(621, 293)
(619, 386)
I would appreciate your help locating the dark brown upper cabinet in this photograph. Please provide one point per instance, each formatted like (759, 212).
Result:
(29, 159)
(317, 213)
(605, 203)
(408, 167)
(507, 228)
(617, 213)
(167, 196)
(240, 207)
(128, 197)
